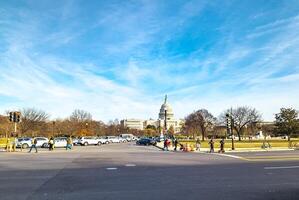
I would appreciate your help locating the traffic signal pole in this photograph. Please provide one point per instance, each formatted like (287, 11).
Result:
(232, 128)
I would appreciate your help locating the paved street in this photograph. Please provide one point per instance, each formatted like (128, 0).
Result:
(127, 171)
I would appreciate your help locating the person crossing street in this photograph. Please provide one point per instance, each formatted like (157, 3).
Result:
(34, 142)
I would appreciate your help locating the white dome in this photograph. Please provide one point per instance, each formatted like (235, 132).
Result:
(166, 107)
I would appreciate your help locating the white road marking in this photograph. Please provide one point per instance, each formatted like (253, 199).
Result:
(111, 168)
(228, 155)
(282, 167)
(130, 165)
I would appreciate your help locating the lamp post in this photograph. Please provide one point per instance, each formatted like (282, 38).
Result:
(53, 124)
(165, 121)
(86, 127)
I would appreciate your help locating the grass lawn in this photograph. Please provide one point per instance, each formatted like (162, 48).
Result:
(243, 143)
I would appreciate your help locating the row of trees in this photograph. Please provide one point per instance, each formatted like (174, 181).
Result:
(80, 123)
(247, 121)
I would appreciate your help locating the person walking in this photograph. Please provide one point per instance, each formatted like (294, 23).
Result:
(222, 146)
(51, 144)
(175, 144)
(34, 142)
(69, 143)
(166, 145)
(211, 145)
(197, 144)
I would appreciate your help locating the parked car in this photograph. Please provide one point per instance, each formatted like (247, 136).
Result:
(128, 137)
(122, 139)
(89, 140)
(146, 142)
(103, 140)
(60, 142)
(112, 139)
(24, 142)
(42, 142)
(75, 141)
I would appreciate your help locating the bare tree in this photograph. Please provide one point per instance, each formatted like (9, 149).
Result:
(242, 116)
(200, 120)
(32, 119)
(80, 116)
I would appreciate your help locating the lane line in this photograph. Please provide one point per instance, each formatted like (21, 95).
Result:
(232, 156)
(281, 167)
(130, 165)
(111, 168)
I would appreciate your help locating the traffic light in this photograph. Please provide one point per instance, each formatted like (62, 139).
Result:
(228, 124)
(11, 116)
(18, 117)
(15, 117)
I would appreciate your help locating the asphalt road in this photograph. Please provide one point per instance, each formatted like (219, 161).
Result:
(127, 171)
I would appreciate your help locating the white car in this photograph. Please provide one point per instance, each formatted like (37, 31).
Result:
(128, 137)
(42, 141)
(113, 139)
(103, 140)
(89, 140)
(24, 142)
(60, 142)
(122, 139)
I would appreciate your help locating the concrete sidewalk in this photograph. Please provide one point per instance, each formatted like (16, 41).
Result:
(160, 145)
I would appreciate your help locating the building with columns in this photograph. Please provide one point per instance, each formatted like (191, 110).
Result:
(166, 108)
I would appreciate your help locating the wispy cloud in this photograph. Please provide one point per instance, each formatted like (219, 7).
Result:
(118, 59)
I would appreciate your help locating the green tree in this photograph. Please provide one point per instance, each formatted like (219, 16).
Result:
(286, 122)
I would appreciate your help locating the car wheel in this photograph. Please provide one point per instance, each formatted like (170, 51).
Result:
(45, 145)
(99, 143)
(25, 146)
(85, 143)
(106, 142)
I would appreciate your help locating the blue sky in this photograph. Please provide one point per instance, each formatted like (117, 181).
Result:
(117, 59)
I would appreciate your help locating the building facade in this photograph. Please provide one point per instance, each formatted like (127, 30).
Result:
(165, 110)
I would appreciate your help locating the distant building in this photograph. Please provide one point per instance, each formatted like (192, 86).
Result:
(132, 124)
(159, 123)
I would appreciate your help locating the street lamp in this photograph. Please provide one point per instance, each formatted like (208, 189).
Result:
(165, 120)
(53, 124)
(86, 126)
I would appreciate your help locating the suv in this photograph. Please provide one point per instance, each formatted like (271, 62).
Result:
(42, 141)
(89, 140)
(24, 142)
(103, 140)
(128, 137)
(113, 139)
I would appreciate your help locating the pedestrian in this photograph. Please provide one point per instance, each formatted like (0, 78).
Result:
(222, 146)
(51, 144)
(197, 144)
(69, 143)
(175, 144)
(165, 145)
(211, 145)
(33, 145)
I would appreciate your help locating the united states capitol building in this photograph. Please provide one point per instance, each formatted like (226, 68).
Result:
(140, 124)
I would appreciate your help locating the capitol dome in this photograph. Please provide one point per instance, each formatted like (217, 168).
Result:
(166, 107)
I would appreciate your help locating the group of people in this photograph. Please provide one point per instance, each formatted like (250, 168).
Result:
(211, 143)
(175, 142)
(51, 144)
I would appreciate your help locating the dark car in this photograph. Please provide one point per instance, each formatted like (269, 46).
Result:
(146, 142)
